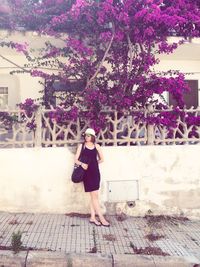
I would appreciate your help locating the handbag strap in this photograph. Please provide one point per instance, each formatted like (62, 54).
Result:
(82, 148)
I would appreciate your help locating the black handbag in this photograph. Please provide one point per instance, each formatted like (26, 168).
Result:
(78, 172)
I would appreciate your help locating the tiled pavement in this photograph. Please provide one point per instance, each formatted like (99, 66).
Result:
(67, 233)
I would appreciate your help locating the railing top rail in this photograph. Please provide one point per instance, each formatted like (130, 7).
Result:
(192, 109)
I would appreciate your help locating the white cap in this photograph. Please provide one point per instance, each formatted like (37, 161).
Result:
(90, 131)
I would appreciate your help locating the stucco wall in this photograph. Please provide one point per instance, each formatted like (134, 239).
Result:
(161, 179)
(20, 86)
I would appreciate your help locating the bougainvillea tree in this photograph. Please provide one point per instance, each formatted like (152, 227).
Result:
(110, 47)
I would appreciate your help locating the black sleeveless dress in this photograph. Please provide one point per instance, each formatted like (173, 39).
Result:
(91, 178)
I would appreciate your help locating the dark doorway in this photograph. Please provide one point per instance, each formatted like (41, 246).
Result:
(190, 98)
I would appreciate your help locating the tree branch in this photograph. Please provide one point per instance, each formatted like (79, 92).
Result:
(101, 63)
(131, 53)
(13, 63)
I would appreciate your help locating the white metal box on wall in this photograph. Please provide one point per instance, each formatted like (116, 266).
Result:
(122, 190)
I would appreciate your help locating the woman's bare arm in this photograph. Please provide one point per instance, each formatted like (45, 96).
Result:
(78, 162)
(100, 154)
(77, 155)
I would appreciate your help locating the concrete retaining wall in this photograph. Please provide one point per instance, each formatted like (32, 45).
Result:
(134, 180)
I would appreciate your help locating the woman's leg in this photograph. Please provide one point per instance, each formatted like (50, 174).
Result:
(92, 211)
(92, 216)
(95, 202)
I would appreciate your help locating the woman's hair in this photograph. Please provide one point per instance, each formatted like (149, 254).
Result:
(93, 138)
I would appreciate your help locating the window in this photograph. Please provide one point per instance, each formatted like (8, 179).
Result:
(190, 98)
(59, 89)
(69, 86)
(3, 97)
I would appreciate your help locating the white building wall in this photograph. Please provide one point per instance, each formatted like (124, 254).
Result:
(186, 59)
(20, 86)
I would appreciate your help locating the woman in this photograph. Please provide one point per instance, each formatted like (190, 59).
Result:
(91, 179)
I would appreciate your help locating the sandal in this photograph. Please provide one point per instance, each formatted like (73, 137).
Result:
(105, 225)
(93, 222)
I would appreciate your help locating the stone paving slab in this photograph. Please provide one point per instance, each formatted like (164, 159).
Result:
(9, 259)
(152, 261)
(57, 259)
(74, 234)
(61, 259)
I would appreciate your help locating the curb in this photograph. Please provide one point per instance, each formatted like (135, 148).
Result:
(61, 259)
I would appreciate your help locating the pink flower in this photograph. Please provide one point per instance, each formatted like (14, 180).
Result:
(21, 47)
